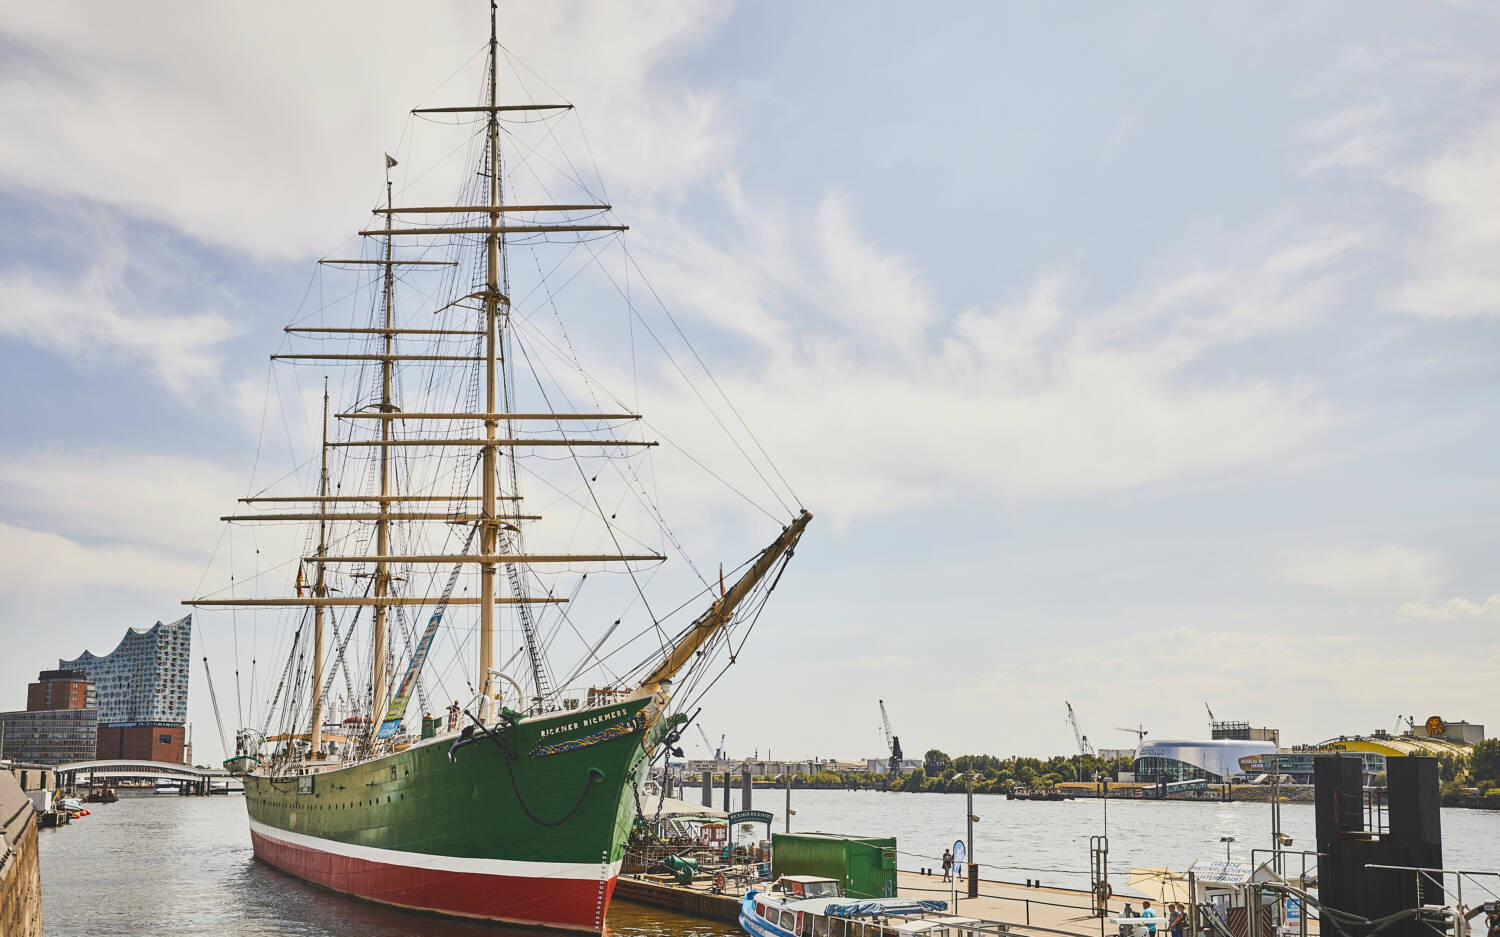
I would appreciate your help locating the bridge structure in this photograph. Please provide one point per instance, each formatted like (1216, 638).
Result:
(193, 779)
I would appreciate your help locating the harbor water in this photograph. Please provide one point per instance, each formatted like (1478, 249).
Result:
(160, 864)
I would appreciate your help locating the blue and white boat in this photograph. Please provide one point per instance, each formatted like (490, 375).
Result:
(811, 906)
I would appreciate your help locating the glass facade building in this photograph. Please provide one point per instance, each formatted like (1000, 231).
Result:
(143, 681)
(1212, 760)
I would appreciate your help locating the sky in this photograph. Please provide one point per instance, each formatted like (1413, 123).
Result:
(1140, 357)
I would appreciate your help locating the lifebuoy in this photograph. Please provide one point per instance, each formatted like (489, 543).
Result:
(1103, 889)
(721, 882)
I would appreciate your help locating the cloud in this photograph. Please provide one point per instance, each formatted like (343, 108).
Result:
(95, 316)
(1453, 609)
(44, 561)
(1453, 261)
(235, 128)
(1365, 572)
(877, 398)
(169, 501)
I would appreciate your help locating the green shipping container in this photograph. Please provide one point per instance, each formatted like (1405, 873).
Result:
(865, 865)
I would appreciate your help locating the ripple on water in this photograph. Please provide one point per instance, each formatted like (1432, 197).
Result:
(162, 864)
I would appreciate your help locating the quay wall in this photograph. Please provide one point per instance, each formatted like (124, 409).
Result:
(20, 870)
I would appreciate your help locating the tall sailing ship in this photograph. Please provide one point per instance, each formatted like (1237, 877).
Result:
(514, 803)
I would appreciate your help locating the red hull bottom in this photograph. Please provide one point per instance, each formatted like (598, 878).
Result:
(571, 904)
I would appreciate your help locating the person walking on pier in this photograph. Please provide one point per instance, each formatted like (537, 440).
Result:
(1146, 912)
(947, 864)
(1175, 919)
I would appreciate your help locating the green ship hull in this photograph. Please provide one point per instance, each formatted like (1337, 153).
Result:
(523, 825)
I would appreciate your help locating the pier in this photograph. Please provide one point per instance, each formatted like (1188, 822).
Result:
(1043, 909)
(194, 780)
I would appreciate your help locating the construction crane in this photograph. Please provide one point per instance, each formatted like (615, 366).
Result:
(1139, 733)
(1084, 748)
(716, 751)
(892, 742)
(1211, 719)
(1411, 723)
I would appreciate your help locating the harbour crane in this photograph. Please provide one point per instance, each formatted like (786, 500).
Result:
(1084, 748)
(716, 751)
(1139, 733)
(892, 742)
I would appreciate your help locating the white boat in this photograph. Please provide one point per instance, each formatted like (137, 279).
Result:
(812, 906)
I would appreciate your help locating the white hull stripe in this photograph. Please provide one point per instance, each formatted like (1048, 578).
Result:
(517, 868)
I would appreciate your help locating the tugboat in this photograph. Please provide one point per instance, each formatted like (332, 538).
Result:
(105, 795)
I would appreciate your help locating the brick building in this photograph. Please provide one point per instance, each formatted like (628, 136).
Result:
(60, 689)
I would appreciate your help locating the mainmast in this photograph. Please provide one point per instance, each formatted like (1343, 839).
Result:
(489, 531)
(383, 519)
(320, 590)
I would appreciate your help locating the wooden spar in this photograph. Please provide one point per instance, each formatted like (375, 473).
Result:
(501, 229)
(365, 499)
(332, 331)
(385, 357)
(320, 590)
(489, 534)
(364, 516)
(399, 263)
(398, 415)
(388, 601)
(486, 443)
(489, 209)
(489, 559)
(723, 608)
(492, 108)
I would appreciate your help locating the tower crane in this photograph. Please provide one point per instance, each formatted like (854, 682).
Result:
(892, 742)
(1084, 748)
(1139, 733)
(1211, 719)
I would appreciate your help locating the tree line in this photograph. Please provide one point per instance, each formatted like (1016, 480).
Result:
(990, 774)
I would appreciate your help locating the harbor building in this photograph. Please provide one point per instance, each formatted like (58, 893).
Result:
(49, 736)
(1435, 738)
(142, 688)
(1211, 760)
(59, 723)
